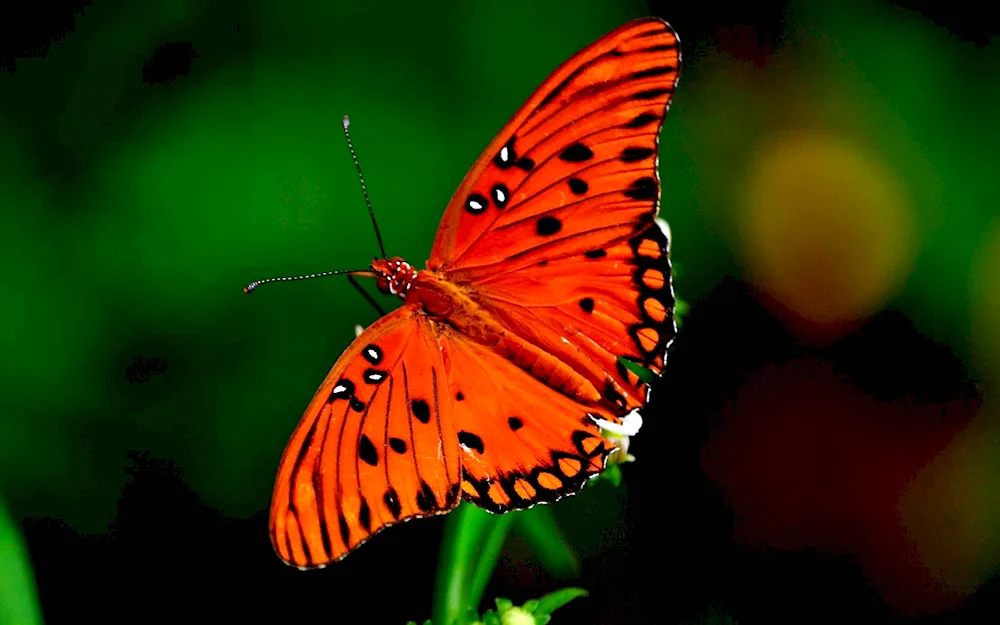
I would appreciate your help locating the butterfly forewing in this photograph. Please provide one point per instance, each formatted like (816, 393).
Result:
(375, 446)
(554, 226)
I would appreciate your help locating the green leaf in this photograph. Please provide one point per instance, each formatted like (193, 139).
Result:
(613, 474)
(18, 598)
(469, 617)
(503, 604)
(557, 599)
(540, 530)
(644, 374)
(681, 309)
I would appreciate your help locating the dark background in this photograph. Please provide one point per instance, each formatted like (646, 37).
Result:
(823, 447)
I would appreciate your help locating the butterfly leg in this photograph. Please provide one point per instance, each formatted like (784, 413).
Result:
(365, 294)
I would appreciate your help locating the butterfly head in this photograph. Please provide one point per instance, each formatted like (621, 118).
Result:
(394, 276)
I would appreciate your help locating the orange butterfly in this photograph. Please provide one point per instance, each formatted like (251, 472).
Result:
(490, 382)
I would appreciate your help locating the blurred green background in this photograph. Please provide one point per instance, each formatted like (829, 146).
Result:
(838, 158)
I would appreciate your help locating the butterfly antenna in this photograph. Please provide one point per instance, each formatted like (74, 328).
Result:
(364, 189)
(253, 285)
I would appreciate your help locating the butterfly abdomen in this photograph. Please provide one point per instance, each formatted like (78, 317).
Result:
(455, 306)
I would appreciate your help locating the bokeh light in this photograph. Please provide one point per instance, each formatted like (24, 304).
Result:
(827, 229)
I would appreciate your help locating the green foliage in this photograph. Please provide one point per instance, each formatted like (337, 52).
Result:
(533, 612)
(472, 545)
(18, 601)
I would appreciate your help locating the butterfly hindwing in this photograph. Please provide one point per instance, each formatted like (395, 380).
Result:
(374, 447)
(554, 225)
(522, 442)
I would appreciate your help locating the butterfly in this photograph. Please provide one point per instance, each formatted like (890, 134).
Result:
(490, 383)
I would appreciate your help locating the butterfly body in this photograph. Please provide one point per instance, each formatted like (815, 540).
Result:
(454, 308)
(493, 380)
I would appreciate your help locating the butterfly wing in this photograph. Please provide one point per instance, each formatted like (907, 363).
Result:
(376, 446)
(553, 228)
(522, 442)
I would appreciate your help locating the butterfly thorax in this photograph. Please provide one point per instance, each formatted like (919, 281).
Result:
(455, 306)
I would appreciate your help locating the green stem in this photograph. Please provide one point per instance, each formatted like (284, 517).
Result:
(469, 543)
(489, 556)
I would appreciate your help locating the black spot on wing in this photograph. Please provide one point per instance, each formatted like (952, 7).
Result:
(633, 155)
(577, 153)
(476, 203)
(500, 194)
(345, 532)
(425, 498)
(651, 94)
(365, 515)
(643, 119)
(343, 389)
(642, 189)
(654, 71)
(366, 451)
(421, 410)
(391, 501)
(506, 157)
(547, 226)
(373, 354)
(471, 441)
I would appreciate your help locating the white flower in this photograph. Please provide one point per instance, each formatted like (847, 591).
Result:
(517, 616)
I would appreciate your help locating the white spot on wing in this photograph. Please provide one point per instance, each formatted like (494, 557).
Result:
(340, 388)
(475, 205)
(503, 154)
(501, 197)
